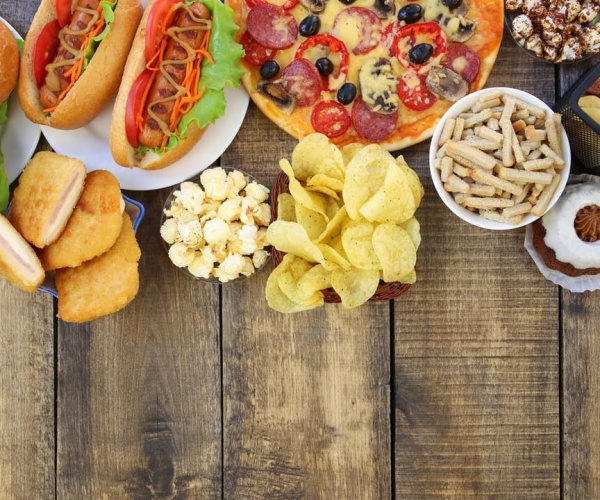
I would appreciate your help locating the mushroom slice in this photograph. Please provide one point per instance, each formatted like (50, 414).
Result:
(378, 85)
(276, 93)
(315, 6)
(460, 29)
(446, 83)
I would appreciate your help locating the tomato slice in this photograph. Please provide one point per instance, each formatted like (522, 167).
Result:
(134, 103)
(330, 118)
(45, 49)
(63, 11)
(255, 53)
(413, 92)
(158, 18)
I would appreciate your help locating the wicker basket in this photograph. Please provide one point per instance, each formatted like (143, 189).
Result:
(385, 291)
(583, 131)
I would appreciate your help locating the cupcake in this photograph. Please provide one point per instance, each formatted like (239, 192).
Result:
(565, 243)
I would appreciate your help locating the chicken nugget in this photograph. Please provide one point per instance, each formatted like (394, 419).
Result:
(93, 227)
(48, 190)
(19, 264)
(102, 285)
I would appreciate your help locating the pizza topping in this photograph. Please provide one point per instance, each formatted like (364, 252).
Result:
(269, 69)
(460, 29)
(463, 60)
(384, 8)
(255, 53)
(325, 45)
(275, 91)
(330, 118)
(446, 83)
(315, 6)
(452, 4)
(413, 34)
(414, 93)
(324, 65)
(272, 26)
(310, 25)
(289, 4)
(420, 53)
(410, 13)
(302, 80)
(358, 28)
(372, 126)
(378, 85)
(346, 93)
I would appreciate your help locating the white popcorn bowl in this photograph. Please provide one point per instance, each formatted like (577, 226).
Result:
(465, 104)
(212, 280)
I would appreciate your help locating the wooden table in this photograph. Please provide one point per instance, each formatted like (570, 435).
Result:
(480, 382)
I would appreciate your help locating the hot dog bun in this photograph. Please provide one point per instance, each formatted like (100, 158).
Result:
(229, 73)
(97, 85)
(9, 57)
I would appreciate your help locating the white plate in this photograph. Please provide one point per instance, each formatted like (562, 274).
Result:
(90, 144)
(18, 136)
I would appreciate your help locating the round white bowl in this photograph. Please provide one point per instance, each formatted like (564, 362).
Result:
(465, 104)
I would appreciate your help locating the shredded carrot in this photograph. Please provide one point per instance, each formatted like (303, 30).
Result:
(74, 72)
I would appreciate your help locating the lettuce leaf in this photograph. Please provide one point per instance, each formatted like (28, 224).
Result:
(4, 188)
(224, 71)
(108, 7)
(3, 112)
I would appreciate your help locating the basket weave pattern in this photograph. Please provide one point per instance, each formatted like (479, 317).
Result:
(385, 291)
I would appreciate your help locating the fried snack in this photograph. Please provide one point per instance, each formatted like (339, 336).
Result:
(93, 227)
(9, 62)
(19, 264)
(48, 190)
(103, 285)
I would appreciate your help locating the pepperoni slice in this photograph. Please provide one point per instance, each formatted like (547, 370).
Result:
(414, 93)
(272, 26)
(302, 80)
(330, 118)
(370, 125)
(256, 54)
(359, 28)
(462, 60)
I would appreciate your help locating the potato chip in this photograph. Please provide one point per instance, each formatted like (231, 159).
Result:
(312, 221)
(356, 240)
(280, 302)
(334, 257)
(413, 228)
(327, 191)
(393, 201)
(414, 183)
(349, 150)
(292, 238)
(317, 278)
(286, 207)
(316, 154)
(315, 201)
(325, 180)
(589, 101)
(365, 174)
(395, 250)
(289, 278)
(334, 226)
(355, 286)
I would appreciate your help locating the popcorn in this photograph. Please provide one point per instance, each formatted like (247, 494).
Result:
(218, 229)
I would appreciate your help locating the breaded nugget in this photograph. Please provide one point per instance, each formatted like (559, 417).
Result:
(48, 190)
(9, 62)
(93, 227)
(19, 264)
(102, 285)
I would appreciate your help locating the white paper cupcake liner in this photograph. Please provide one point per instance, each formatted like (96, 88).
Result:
(574, 284)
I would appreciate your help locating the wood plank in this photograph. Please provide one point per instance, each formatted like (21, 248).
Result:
(306, 396)
(580, 370)
(139, 410)
(476, 366)
(26, 394)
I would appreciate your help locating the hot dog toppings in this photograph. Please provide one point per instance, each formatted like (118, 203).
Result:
(65, 46)
(191, 55)
(385, 51)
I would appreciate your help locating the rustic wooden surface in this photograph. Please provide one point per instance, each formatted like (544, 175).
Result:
(480, 382)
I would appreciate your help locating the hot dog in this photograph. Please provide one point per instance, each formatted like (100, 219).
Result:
(73, 59)
(182, 57)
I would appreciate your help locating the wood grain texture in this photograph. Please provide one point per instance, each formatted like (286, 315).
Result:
(139, 412)
(580, 370)
(26, 394)
(306, 396)
(477, 367)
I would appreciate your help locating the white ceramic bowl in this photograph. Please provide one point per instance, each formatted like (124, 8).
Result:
(465, 104)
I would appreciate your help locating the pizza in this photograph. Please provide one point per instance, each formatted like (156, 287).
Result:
(369, 71)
